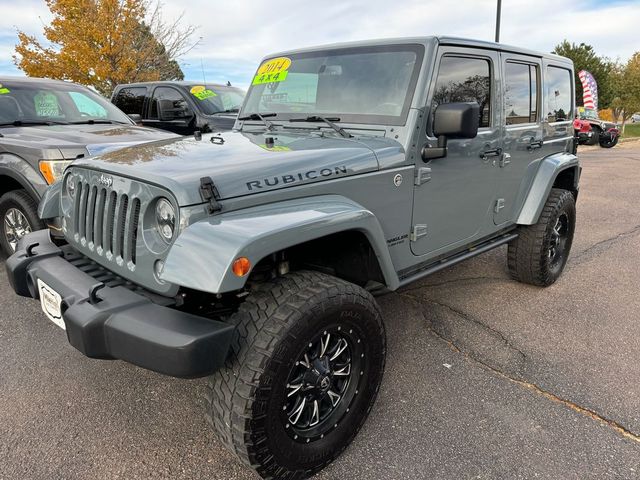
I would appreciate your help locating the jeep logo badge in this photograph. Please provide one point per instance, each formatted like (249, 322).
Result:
(106, 181)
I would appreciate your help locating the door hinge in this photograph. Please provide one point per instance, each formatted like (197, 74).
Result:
(423, 175)
(209, 193)
(505, 160)
(499, 205)
(417, 232)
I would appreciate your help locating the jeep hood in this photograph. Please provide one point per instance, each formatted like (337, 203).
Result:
(245, 163)
(73, 140)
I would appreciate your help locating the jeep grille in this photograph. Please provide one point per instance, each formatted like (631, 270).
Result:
(106, 222)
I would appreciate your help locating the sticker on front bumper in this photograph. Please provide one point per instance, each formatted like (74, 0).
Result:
(51, 302)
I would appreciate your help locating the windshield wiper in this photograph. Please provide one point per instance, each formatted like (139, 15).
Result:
(261, 117)
(97, 121)
(328, 120)
(228, 110)
(21, 123)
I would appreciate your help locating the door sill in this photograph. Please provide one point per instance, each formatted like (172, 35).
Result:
(430, 267)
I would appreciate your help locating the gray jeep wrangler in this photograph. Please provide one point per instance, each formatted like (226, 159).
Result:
(251, 256)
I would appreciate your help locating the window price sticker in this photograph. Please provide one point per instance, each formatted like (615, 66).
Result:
(271, 71)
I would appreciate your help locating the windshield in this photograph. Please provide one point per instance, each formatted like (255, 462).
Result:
(589, 113)
(358, 85)
(42, 102)
(212, 99)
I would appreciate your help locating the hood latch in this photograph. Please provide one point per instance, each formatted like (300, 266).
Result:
(209, 193)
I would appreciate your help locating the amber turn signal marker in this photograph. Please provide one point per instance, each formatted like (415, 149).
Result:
(47, 172)
(241, 266)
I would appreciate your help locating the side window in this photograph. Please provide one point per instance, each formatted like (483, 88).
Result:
(464, 79)
(558, 103)
(86, 106)
(521, 93)
(169, 104)
(130, 100)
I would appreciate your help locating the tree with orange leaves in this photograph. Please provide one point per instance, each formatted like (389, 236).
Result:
(103, 43)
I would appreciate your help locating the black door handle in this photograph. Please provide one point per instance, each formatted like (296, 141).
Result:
(495, 152)
(534, 144)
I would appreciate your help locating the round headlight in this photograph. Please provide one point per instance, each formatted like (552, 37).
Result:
(165, 218)
(71, 186)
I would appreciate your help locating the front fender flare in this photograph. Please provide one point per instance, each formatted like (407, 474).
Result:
(203, 253)
(49, 206)
(546, 174)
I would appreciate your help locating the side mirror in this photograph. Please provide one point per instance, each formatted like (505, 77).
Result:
(173, 110)
(136, 117)
(452, 120)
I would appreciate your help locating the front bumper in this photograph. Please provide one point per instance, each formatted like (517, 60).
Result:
(116, 322)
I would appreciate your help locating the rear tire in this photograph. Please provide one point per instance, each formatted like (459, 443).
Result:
(254, 403)
(18, 216)
(540, 252)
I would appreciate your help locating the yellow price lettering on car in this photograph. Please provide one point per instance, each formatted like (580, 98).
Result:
(274, 70)
(202, 93)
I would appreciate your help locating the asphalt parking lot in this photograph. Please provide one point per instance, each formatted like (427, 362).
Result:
(486, 378)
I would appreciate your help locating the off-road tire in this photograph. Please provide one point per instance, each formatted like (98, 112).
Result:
(23, 202)
(528, 255)
(607, 142)
(595, 138)
(277, 320)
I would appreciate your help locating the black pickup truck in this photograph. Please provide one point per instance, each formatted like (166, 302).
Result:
(180, 107)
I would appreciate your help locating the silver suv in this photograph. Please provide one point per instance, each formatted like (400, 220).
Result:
(252, 256)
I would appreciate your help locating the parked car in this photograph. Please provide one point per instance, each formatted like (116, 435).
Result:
(180, 107)
(601, 132)
(44, 126)
(635, 118)
(252, 255)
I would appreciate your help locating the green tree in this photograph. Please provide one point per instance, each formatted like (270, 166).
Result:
(585, 58)
(102, 43)
(626, 88)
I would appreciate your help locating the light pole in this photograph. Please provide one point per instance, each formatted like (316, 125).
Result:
(498, 21)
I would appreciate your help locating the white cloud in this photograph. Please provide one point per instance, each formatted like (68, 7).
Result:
(237, 34)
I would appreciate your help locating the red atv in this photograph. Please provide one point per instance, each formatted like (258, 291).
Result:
(590, 130)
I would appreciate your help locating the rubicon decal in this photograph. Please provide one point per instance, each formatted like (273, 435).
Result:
(295, 178)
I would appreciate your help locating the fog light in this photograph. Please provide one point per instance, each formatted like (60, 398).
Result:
(241, 266)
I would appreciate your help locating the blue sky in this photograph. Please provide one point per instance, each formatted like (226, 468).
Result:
(237, 34)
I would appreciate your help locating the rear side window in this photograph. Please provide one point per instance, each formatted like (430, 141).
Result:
(131, 100)
(559, 102)
(521, 93)
(464, 79)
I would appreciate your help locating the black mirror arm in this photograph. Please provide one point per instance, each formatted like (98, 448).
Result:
(440, 151)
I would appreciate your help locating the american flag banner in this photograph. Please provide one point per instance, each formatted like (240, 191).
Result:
(589, 90)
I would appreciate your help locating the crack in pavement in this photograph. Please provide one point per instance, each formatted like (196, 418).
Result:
(469, 318)
(597, 247)
(616, 426)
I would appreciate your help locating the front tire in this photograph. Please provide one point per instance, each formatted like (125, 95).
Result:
(303, 373)
(540, 252)
(608, 141)
(19, 216)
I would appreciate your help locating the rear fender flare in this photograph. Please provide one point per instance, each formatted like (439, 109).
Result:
(546, 175)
